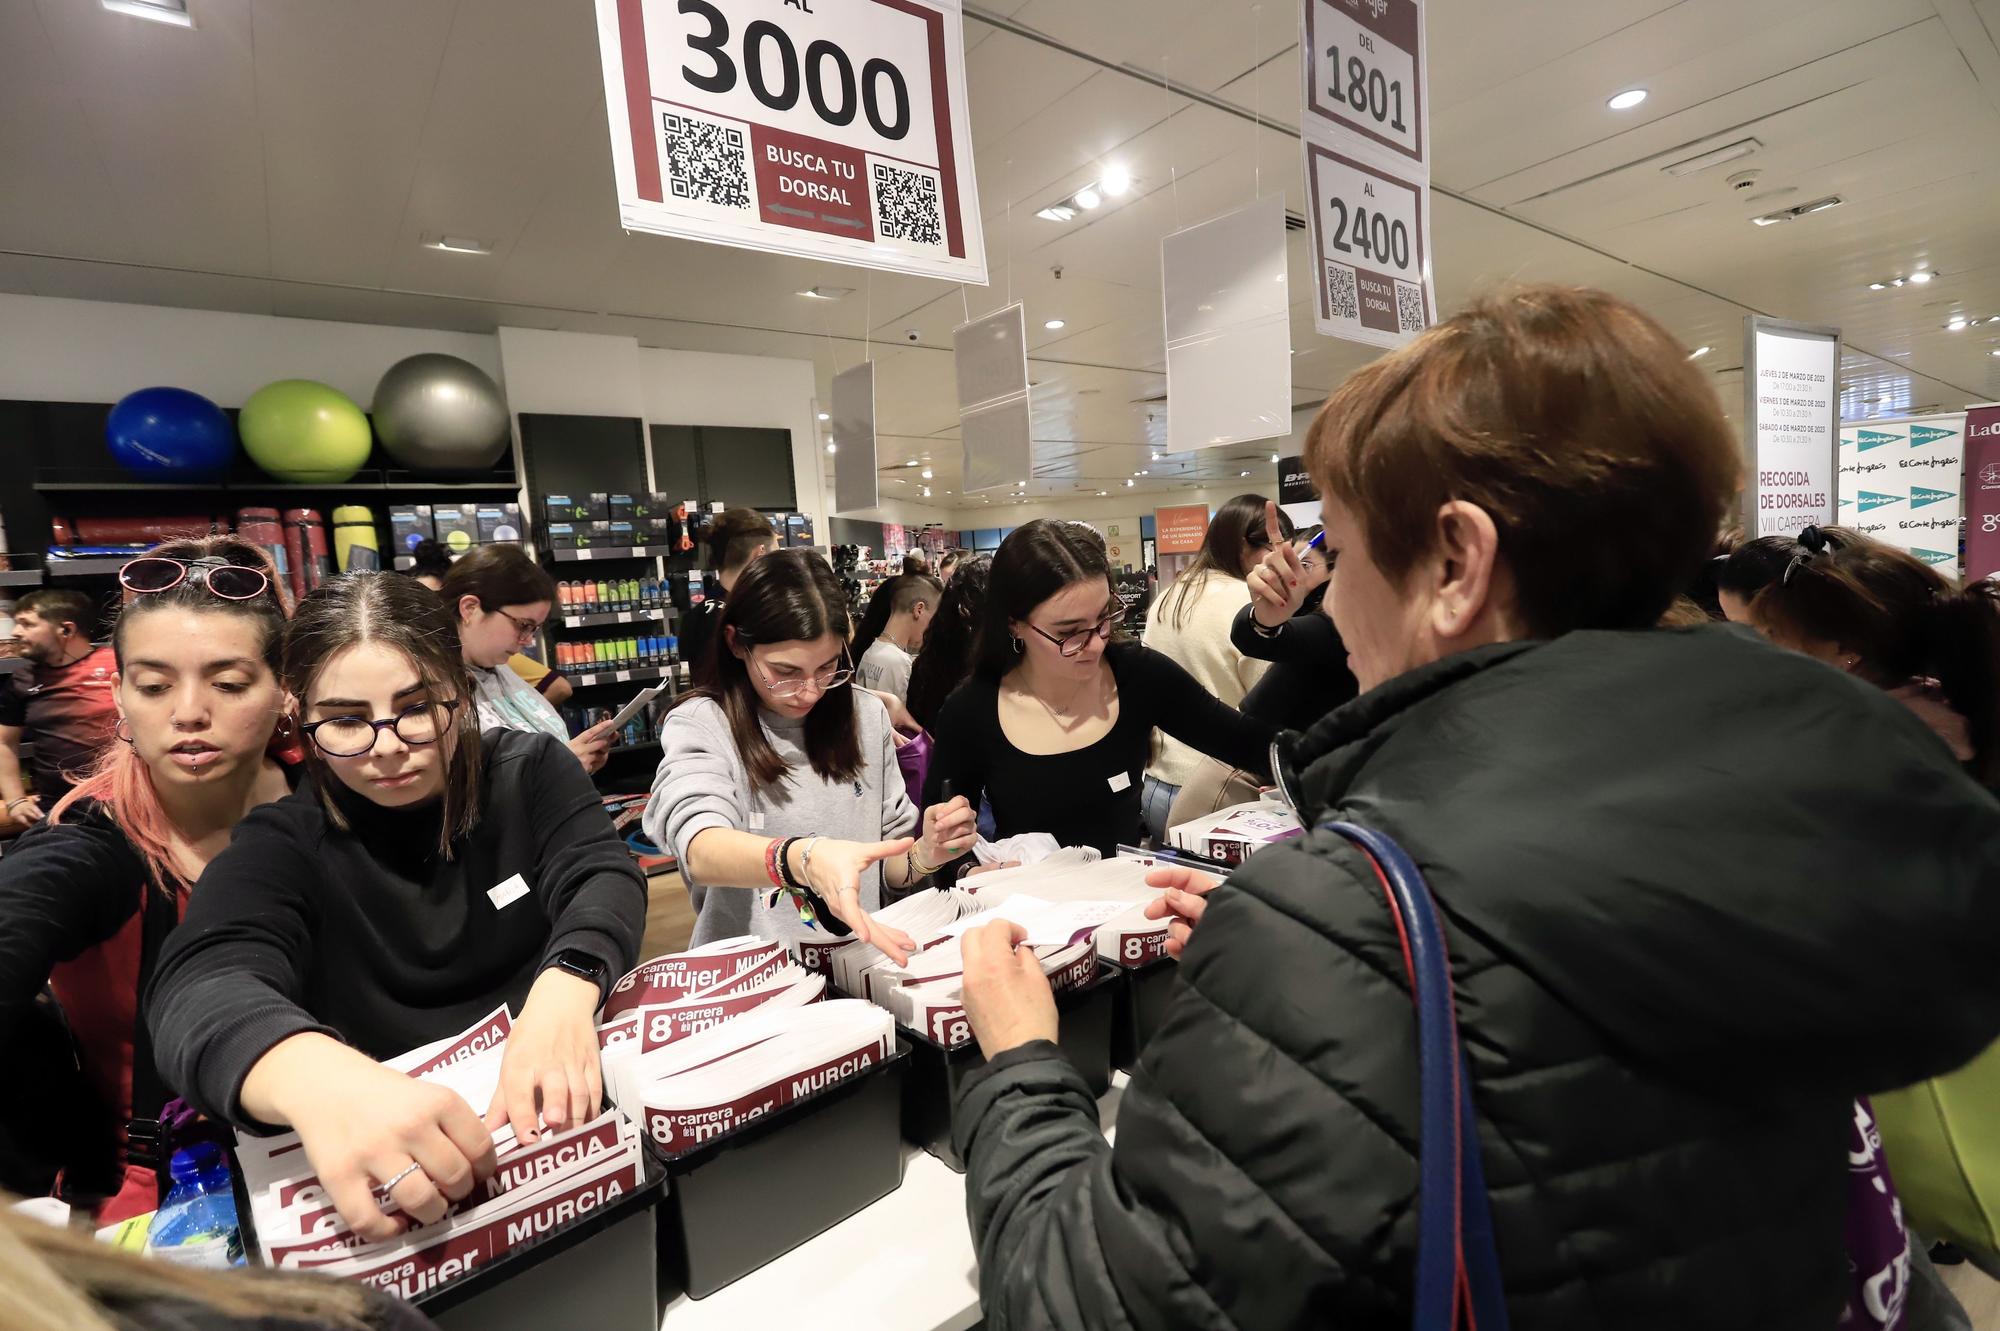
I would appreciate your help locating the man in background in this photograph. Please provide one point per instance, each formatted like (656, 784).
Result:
(62, 703)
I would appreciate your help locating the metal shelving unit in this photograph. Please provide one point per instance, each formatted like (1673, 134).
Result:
(659, 614)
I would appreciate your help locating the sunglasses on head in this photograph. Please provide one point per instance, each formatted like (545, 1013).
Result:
(158, 573)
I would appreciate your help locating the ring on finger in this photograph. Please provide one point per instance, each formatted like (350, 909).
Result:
(390, 1186)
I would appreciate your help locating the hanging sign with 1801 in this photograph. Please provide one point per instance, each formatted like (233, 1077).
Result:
(1364, 71)
(1369, 257)
(833, 129)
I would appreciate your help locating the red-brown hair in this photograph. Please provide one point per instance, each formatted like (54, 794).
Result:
(1568, 415)
(119, 780)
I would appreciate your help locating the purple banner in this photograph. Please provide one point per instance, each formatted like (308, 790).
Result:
(1982, 493)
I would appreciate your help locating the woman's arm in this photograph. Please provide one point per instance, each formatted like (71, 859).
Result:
(62, 889)
(1170, 698)
(592, 892)
(1304, 639)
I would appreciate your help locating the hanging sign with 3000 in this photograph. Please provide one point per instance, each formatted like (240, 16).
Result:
(831, 129)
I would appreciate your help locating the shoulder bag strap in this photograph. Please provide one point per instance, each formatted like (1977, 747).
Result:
(1458, 1268)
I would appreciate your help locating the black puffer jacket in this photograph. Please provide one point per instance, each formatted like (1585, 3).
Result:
(1698, 894)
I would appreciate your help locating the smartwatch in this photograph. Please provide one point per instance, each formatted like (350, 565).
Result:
(584, 966)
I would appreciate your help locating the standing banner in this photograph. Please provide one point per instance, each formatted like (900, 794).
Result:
(1982, 493)
(837, 130)
(1900, 482)
(1791, 390)
(1225, 293)
(1179, 530)
(856, 484)
(1366, 140)
(994, 427)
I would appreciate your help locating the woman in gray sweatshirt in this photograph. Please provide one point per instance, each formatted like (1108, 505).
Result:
(778, 789)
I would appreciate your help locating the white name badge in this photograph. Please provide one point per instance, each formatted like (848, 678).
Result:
(507, 892)
(1122, 781)
(756, 821)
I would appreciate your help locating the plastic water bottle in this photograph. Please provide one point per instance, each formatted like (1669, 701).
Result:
(197, 1223)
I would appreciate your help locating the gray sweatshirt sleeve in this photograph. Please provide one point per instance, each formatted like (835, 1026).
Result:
(700, 782)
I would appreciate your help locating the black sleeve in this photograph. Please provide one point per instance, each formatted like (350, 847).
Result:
(229, 981)
(1203, 1214)
(1303, 639)
(958, 747)
(13, 707)
(63, 889)
(593, 893)
(1177, 703)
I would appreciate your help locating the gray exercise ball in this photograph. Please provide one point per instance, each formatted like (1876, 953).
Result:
(438, 413)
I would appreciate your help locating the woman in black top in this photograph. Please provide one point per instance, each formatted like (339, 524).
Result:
(1286, 623)
(425, 874)
(88, 897)
(1055, 727)
(738, 536)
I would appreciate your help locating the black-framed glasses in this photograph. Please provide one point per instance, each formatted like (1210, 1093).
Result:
(1071, 644)
(523, 628)
(352, 736)
(829, 679)
(150, 574)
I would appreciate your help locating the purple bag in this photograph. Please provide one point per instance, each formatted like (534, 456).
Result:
(1878, 1246)
(914, 757)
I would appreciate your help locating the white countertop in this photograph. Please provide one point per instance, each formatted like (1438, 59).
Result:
(903, 1264)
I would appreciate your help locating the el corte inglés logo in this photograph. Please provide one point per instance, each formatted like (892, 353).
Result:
(1919, 496)
(1871, 501)
(1925, 434)
(1933, 556)
(1867, 439)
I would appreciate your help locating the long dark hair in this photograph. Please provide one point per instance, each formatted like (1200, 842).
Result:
(787, 596)
(120, 780)
(402, 613)
(903, 592)
(498, 575)
(1905, 621)
(946, 659)
(1037, 560)
(1229, 547)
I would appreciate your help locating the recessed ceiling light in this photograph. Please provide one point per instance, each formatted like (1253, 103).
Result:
(1242, 473)
(926, 473)
(826, 293)
(1102, 493)
(825, 417)
(830, 448)
(1996, 351)
(1877, 286)
(1057, 212)
(1129, 482)
(1895, 281)
(1770, 219)
(1116, 181)
(1921, 276)
(1140, 472)
(458, 245)
(1955, 325)
(1156, 455)
(1274, 457)
(1088, 198)
(1052, 324)
(159, 11)
(1628, 99)
(927, 492)
(1699, 352)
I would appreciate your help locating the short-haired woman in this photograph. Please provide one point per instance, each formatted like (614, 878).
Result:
(778, 787)
(425, 874)
(501, 598)
(1697, 893)
(1055, 727)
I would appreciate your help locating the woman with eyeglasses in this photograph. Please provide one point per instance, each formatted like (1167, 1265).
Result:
(425, 874)
(1055, 726)
(501, 598)
(88, 898)
(778, 789)
(1190, 625)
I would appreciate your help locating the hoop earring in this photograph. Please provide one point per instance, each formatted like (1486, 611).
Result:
(118, 729)
(1020, 648)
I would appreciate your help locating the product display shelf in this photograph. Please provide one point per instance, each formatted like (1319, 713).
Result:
(604, 552)
(636, 675)
(20, 577)
(641, 747)
(658, 614)
(906, 1263)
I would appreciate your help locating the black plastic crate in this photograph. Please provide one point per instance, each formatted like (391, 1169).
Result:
(930, 1089)
(749, 1197)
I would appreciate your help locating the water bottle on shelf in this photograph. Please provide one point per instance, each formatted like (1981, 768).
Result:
(196, 1224)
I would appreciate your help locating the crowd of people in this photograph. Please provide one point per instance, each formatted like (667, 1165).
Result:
(1708, 881)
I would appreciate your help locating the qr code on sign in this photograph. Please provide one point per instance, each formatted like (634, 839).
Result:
(706, 161)
(1341, 298)
(1410, 308)
(906, 205)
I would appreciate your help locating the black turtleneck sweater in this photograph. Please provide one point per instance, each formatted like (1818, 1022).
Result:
(370, 935)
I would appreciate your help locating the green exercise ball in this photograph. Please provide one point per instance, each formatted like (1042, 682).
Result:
(298, 430)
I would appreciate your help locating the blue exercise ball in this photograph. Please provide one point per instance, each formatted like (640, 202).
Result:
(170, 430)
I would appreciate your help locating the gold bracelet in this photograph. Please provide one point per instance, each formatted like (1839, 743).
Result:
(918, 867)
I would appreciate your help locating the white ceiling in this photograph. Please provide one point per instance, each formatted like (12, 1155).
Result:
(288, 157)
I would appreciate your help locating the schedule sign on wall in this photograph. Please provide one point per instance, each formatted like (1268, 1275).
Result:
(1791, 384)
(829, 129)
(1366, 139)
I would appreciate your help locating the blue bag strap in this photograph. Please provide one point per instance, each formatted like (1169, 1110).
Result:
(1454, 1219)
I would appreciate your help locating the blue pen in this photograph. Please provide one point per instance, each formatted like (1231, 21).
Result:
(1313, 544)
